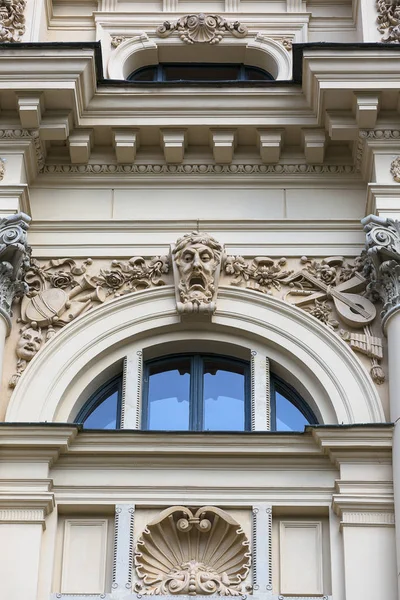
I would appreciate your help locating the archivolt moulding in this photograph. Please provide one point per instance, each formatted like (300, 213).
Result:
(142, 50)
(343, 390)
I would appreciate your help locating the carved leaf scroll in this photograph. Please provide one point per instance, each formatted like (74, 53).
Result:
(389, 20)
(195, 553)
(12, 20)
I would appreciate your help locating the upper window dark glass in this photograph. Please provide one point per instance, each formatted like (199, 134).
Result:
(201, 72)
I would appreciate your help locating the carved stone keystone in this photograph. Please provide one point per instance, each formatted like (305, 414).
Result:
(197, 263)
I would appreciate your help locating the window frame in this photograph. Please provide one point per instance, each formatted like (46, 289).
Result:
(196, 407)
(99, 396)
(279, 385)
(159, 73)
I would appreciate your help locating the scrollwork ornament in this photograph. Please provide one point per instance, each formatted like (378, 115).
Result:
(201, 29)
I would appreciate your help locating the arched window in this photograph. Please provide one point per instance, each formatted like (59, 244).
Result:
(201, 72)
(103, 409)
(197, 392)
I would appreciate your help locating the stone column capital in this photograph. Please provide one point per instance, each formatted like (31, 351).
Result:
(14, 260)
(382, 267)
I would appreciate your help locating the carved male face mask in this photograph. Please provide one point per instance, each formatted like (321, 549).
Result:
(197, 257)
(29, 344)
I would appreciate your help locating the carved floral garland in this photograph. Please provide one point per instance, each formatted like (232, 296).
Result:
(62, 289)
(12, 20)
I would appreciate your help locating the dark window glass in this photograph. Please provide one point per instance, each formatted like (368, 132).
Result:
(193, 72)
(224, 391)
(175, 72)
(102, 410)
(169, 395)
(144, 74)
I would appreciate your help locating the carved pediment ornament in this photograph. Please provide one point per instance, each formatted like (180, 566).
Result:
(196, 553)
(389, 20)
(202, 29)
(196, 263)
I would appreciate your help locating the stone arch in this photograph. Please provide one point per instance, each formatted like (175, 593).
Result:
(341, 388)
(259, 51)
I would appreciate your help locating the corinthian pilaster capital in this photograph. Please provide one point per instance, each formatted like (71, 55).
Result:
(383, 262)
(14, 260)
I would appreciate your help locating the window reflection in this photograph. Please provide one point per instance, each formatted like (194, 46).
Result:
(104, 416)
(168, 396)
(288, 416)
(224, 396)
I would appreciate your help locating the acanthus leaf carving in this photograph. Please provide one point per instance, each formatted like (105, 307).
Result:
(196, 553)
(12, 20)
(389, 20)
(382, 268)
(202, 29)
(14, 260)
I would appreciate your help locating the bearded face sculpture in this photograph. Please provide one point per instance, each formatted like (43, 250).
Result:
(197, 261)
(29, 344)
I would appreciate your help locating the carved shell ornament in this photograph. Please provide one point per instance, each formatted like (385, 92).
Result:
(196, 553)
(201, 29)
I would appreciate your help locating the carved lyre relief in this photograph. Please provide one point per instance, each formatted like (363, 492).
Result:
(196, 553)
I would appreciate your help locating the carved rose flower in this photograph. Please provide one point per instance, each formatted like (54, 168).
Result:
(235, 265)
(112, 279)
(62, 279)
(327, 274)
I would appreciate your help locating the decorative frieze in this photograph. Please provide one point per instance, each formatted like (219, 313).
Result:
(196, 553)
(202, 29)
(12, 20)
(332, 290)
(382, 267)
(200, 169)
(389, 20)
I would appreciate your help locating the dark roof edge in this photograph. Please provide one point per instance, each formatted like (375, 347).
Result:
(298, 50)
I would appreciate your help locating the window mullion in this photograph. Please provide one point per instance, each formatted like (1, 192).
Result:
(196, 394)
